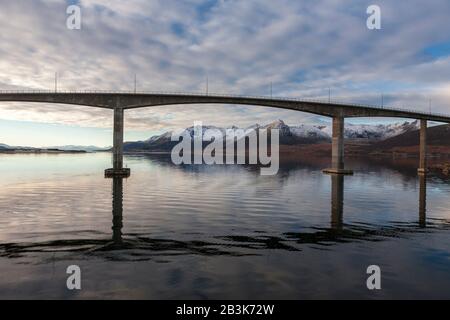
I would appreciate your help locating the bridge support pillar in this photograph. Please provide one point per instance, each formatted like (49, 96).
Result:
(118, 170)
(337, 152)
(423, 169)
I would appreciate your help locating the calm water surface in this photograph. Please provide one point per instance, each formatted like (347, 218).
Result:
(219, 232)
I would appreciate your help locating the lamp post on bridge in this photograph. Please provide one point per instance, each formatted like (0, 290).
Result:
(271, 90)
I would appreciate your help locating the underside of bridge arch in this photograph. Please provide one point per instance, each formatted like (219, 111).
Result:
(316, 110)
(120, 102)
(337, 163)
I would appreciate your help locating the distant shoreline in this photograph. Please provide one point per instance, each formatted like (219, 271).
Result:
(39, 151)
(438, 156)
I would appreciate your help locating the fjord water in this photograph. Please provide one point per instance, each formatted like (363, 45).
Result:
(219, 232)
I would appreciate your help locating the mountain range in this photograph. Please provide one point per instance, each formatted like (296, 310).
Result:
(436, 136)
(289, 135)
(379, 137)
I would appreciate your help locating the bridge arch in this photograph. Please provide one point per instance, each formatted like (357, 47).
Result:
(113, 100)
(123, 101)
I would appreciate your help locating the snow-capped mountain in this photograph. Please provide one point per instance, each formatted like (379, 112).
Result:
(303, 134)
(289, 135)
(362, 131)
(351, 131)
(379, 132)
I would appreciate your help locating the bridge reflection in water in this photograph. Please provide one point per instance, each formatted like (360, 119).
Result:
(144, 246)
(337, 201)
(422, 200)
(337, 206)
(117, 211)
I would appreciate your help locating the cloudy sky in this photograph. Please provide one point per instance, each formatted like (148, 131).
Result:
(302, 47)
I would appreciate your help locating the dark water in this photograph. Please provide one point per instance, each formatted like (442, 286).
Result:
(219, 231)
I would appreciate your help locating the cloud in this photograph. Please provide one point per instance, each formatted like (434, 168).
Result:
(302, 47)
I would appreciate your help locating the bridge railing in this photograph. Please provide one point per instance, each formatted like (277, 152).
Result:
(228, 95)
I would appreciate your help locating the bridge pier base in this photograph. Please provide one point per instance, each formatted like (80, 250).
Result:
(337, 153)
(423, 168)
(118, 170)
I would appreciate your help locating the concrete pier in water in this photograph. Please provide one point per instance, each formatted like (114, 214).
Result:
(337, 148)
(118, 170)
(423, 168)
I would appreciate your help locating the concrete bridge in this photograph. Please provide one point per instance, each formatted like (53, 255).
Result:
(121, 101)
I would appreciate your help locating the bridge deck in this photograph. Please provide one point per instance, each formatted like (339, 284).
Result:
(131, 99)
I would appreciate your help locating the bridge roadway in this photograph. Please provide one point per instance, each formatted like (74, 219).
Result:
(121, 101)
